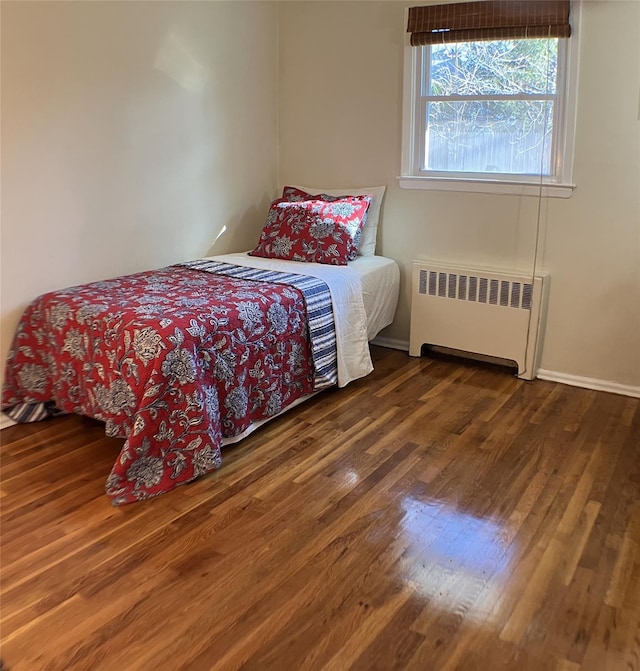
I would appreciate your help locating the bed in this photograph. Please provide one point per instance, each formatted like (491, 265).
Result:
(181, 360)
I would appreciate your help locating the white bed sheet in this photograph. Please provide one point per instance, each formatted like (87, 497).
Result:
(380, 278)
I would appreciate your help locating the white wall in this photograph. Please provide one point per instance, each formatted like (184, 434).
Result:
(340, 125)
(132, 132)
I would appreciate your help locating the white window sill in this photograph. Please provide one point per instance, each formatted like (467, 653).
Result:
(532, 188)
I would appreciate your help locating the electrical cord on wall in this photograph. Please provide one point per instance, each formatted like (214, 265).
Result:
(536, 247)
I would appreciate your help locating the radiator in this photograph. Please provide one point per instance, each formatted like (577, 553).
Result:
(478, 311)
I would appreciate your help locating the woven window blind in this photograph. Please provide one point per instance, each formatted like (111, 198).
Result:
(488, 20)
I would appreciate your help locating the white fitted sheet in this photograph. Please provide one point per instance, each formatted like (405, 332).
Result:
(380, 279)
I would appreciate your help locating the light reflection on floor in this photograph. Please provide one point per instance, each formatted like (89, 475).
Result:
(351, 477)
(457, 561)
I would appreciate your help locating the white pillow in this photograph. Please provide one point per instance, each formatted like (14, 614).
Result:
(369, 232)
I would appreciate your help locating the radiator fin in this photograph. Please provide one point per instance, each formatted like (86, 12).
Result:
(504, 293)
(453, 285)
(473, 288)
(493, 292)
(442, 284)
(515, 295)
(499, 292)
(482, 292)
(462, 288)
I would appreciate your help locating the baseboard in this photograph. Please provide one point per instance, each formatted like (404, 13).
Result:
(5, 422)
(589, 383)
(391, 343)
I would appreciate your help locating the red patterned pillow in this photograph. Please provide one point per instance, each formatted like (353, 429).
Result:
(293, 193)
(314, 230)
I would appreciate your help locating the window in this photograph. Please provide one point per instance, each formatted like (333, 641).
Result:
(489, 107)
(489, 115)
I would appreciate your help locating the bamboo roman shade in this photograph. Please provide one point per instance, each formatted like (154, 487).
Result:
(488, 20)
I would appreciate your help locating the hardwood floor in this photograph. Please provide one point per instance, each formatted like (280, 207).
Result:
(433, 516)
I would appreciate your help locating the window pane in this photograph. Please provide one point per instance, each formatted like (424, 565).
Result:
(502, 67)
(502, 136)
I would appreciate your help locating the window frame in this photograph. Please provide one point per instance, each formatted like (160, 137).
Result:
(558, 185)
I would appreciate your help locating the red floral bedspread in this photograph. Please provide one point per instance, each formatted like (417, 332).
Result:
(171, 360)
